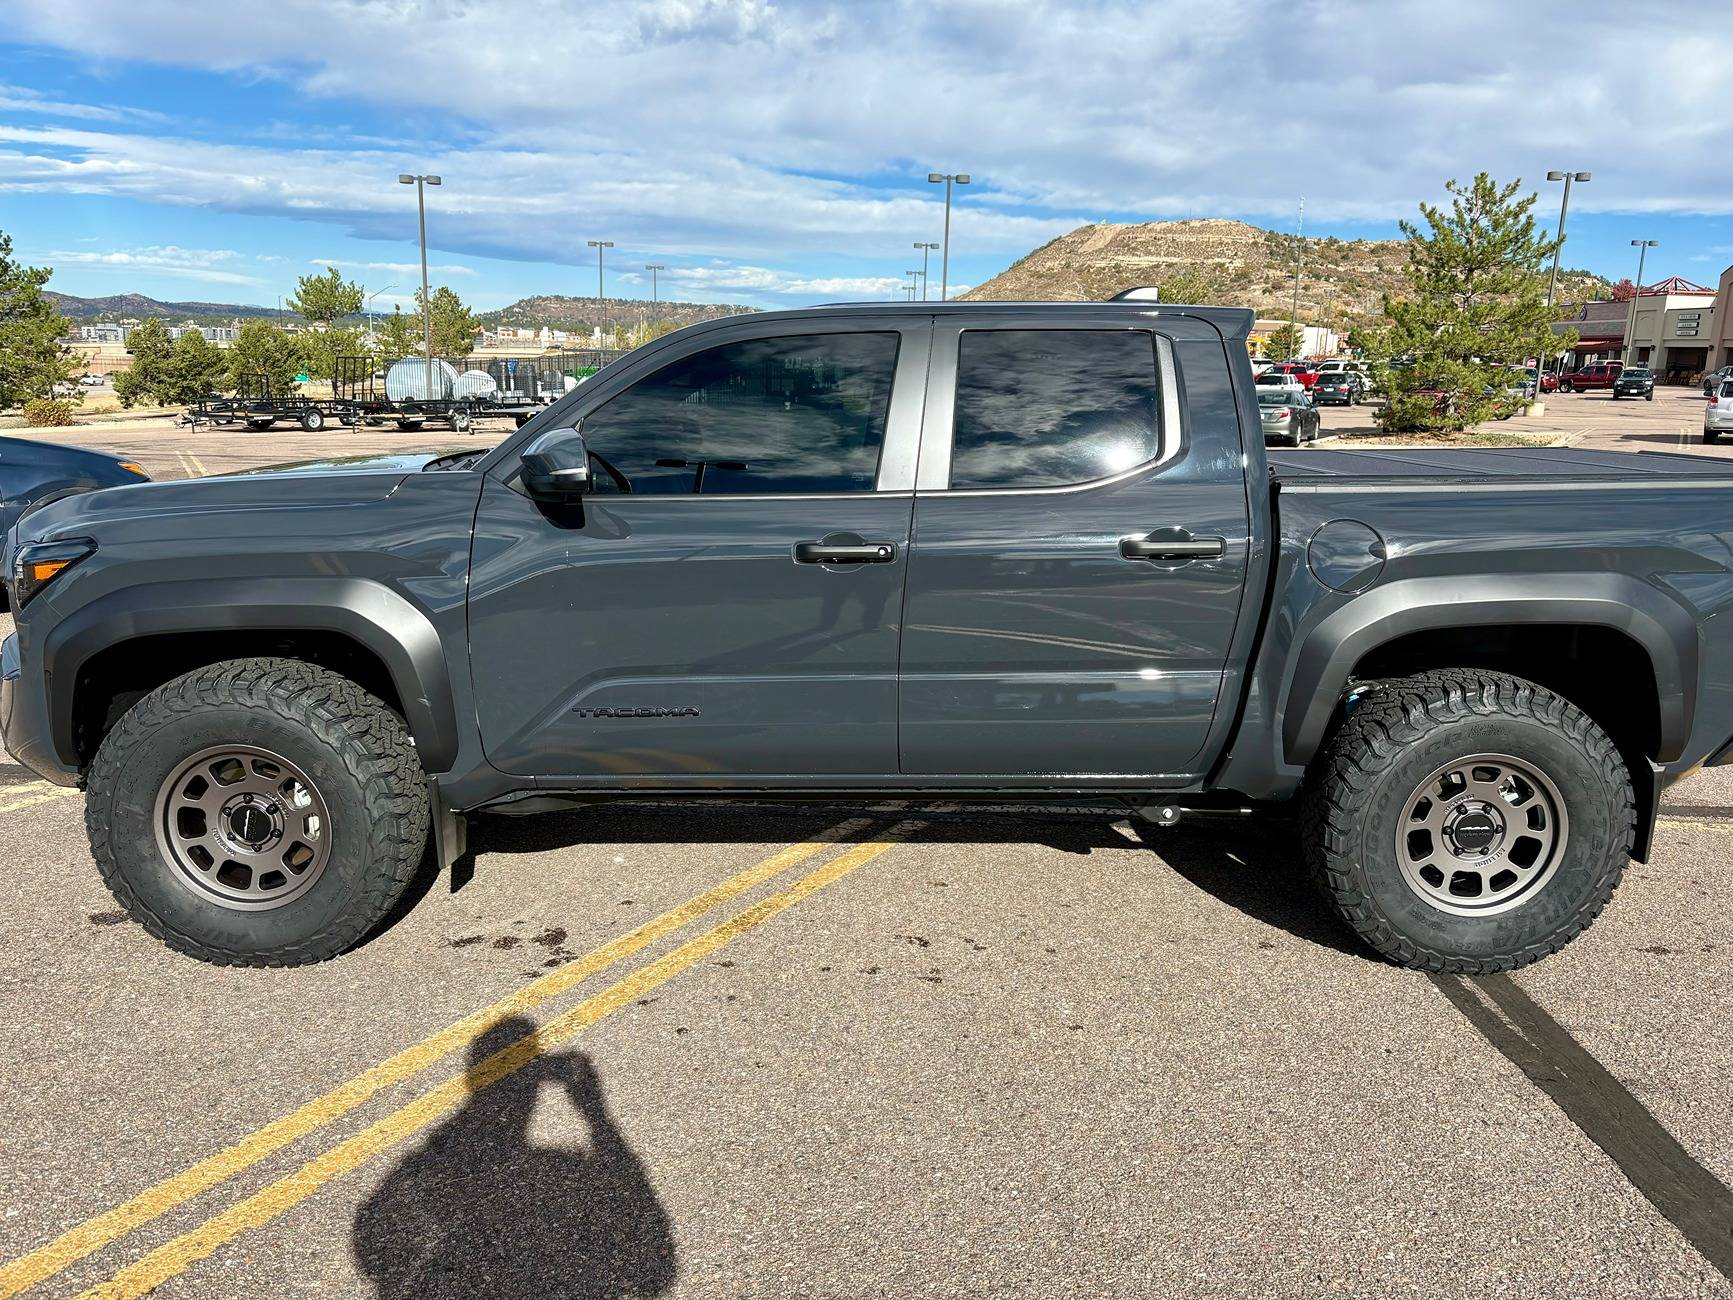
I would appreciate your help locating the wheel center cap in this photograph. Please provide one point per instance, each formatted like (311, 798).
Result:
(251, 824)
(1474, 829)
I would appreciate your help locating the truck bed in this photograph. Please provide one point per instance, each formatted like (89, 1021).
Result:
(1401, 466)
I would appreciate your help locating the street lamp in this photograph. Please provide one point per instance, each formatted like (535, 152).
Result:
(949, 178)
(914, 281)
(652, 268)
(1644, 245)
(370, 297)
(599, 245)
(926, 250)
(1294, 335)
(420, 183)
(1552, 283)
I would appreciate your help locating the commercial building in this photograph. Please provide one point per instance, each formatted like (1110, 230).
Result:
(1671, 327)
(1720, 331)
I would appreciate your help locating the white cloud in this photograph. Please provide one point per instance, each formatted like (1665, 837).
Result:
(22, 99)
(717, 128)
(396, 268)
(215, 265)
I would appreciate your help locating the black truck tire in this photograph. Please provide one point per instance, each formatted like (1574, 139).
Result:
(1391, 768)
(312, 419)
(270, 746)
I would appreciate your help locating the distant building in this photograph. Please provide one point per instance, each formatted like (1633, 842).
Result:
(1668, 327)
(1315, 340)
(103, 333)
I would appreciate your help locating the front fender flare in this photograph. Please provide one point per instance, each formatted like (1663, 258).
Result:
(371, 614)
(1660, 624)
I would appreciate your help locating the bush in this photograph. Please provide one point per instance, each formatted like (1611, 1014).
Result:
(47, 413)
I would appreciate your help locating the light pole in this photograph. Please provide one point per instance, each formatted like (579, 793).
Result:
(949, 178)
(1552, 283)
(370, 297)
(1644, 245)
(1299, 261)
(652, 268)
(420, 183)
(599, 245)
(914, 282)
(926, 251)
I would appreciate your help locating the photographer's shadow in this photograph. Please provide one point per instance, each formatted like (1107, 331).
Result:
(479, 1209)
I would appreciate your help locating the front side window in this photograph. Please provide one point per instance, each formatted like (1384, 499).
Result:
(1051, 408)
(805, 413)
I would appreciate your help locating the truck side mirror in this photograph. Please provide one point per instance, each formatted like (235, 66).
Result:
(556, 466)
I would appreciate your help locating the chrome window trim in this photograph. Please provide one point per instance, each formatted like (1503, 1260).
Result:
(934, 474)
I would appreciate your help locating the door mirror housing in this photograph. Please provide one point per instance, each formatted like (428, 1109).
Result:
(556, 466)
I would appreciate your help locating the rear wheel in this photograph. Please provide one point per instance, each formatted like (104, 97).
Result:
(1467, 821)
(312, 419)
(260, 812)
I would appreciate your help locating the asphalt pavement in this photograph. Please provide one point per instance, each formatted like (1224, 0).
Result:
(912, 1049)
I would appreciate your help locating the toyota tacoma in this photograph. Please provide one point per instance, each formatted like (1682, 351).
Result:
(984, 551)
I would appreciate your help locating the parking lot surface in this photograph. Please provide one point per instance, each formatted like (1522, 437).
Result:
(912, 1049)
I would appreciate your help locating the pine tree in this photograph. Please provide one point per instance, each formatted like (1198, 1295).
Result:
(151, 350)
(33, 360)
(454, 325)
(399, 337)
(1476, 304)
(326, 298)
(263, 354)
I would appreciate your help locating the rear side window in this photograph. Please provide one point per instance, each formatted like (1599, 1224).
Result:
(1727, 388)
(805, 413)
(1051, 408)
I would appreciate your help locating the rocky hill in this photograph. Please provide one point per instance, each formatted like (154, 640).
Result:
(136, 306)
(1246, 266)
(560, 311)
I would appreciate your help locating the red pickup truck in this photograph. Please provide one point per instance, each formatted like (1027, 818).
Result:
(1305, 373)
(1599, 375)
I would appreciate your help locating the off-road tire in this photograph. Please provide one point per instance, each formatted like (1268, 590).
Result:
(353, 746)
(1402, 729)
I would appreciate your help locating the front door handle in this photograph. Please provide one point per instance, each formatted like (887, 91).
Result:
(1172, 548)
(835, 553)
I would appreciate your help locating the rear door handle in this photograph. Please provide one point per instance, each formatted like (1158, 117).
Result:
(1172, 548)
(832, 553)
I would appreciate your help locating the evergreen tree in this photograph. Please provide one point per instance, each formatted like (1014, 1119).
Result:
(454, 325)
(320, 349)
(1476, 303)
(327, 297)
(1283, 343)
(151, 350)
(195, 368)
(33, 360)
(399, 337)
(263, 354)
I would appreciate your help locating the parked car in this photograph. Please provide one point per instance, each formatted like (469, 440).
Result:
(32, 471)
(1638, 381)
(1273, 378)
(1599, 375)
(1338, 365)
(1546, 383)
(737, 564)
(1288, 416)
(1304, 372)
(1713, 380)
(1339, 388)
(1718, 414)
(92, 381)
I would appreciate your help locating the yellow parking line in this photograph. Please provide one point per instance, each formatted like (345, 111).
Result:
(175, 1257)
(1695, 824)
(198, 464)
(76, 1243)
(47, 796)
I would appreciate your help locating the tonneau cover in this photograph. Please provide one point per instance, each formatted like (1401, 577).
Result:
(1481, 463)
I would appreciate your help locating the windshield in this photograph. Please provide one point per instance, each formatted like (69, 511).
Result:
(1635, 374)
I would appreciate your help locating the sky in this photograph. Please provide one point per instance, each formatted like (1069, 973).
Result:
(775, 152)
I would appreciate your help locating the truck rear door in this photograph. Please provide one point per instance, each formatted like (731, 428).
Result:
(1079, 552)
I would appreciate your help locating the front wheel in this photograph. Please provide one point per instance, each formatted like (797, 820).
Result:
(312, 419)
(1469, 822)
(259, 812)
(1565, 386)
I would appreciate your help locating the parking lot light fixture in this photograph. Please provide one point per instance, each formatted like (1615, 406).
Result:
(1643, 246)
(370, 297)
(949, 179)
(1552, 283)
(652, 268)
(926, 250)
(421, 183)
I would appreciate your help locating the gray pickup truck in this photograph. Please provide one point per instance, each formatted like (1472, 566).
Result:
(999, 552)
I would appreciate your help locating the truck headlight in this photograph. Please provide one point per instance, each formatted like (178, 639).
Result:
(39, 563)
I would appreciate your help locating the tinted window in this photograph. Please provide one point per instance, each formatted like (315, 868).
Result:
(1275, 399)
(1042, 408)
(798, 414)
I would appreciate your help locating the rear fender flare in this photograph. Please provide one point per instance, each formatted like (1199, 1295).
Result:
(376, 617)
(1659, 623)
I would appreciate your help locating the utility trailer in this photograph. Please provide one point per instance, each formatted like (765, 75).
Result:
(255, 405)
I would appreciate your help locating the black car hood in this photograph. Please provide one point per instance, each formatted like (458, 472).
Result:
(396, 462)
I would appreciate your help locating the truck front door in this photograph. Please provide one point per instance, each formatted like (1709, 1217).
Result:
(726, 603)
(1079, 557)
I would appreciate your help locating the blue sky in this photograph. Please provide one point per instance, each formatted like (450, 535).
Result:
(774, 152)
